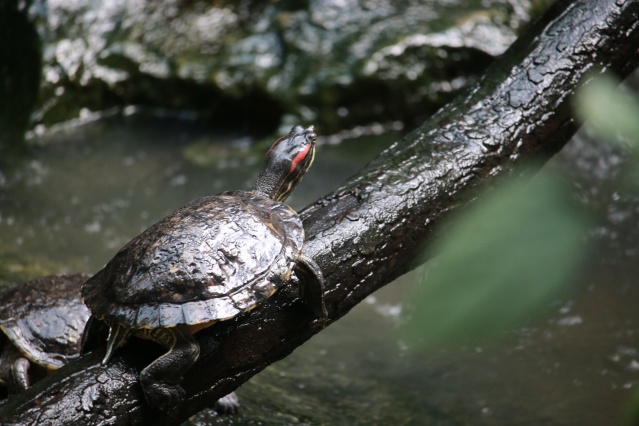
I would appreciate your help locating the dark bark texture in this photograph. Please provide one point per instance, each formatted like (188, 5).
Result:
(371, 230)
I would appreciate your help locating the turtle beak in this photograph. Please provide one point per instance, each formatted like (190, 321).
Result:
(310, 134)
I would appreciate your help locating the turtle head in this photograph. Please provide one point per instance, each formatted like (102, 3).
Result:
(286, 162)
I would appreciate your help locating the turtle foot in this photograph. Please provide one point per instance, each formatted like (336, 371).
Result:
(228, 404)
(19, 379)
(163, 396)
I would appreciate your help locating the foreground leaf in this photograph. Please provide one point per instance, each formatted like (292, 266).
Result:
(501, 263)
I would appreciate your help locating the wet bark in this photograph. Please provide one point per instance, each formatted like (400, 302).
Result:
(375, 226)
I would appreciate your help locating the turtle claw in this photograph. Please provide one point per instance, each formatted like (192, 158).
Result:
(163, 396)
(228, 404)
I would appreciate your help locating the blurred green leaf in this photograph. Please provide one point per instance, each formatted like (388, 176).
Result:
(611, 112)
(512, 253)
(631, 414)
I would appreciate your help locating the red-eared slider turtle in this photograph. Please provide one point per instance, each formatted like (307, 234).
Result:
(41, 323)
(209, 261)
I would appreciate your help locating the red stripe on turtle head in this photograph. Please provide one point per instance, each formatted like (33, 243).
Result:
(300, 157)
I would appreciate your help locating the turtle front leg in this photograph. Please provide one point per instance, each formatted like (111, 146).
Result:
(160, 379)
(311, 285)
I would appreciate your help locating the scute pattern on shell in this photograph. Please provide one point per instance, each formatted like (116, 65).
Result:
(208, 261)
(44, 318)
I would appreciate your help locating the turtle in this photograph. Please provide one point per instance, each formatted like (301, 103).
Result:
(209, 261)
(41, 323)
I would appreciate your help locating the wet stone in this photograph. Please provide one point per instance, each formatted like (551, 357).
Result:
(276, 57)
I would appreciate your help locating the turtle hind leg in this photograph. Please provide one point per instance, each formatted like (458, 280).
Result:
(14, 368)
(160, 379)
(19, 376)
(312, 285)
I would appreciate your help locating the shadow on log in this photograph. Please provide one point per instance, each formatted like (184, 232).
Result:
(371, 230)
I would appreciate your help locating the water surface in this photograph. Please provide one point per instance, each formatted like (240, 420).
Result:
(84, 192)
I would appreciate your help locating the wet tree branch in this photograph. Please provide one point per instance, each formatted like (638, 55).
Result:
(369, 231)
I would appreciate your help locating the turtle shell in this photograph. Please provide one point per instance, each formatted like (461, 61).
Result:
(208, 261)
(44, 318)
